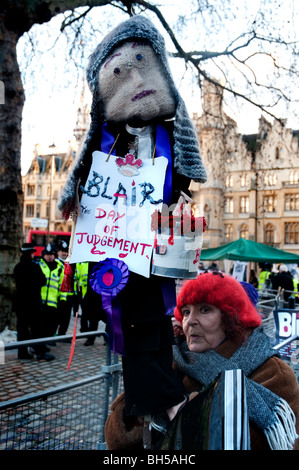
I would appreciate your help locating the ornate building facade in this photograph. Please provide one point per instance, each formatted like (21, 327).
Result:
(47, 174)
(252, 189)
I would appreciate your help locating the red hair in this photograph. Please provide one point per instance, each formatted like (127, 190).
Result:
(222, 291)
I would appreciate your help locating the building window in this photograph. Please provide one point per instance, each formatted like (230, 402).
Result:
(228, 233)
(244, 231)
(291, 233)
(293, 177)
(270, 203)
(47, 209)
(244, 204)
(229, 182)
(29, 210)
(271, 179)
(244, 180)
(291, 202)
(39, 190)
(229, 205)
(38, 209)
(30, 190)
(269, 234)
(278, 152)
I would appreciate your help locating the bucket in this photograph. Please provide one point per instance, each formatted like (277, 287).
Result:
(177, 248)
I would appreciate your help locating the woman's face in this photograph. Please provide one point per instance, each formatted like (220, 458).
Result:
(132, 85)
(202, 326)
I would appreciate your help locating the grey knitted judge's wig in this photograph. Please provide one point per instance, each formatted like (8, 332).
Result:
(187, 159)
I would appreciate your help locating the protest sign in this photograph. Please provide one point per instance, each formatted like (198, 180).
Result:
(286, 325)
(118, 200)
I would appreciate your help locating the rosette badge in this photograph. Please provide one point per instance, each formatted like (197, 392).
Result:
(128, 166)
(108, 278)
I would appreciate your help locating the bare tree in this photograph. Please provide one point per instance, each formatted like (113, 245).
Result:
(262, 36)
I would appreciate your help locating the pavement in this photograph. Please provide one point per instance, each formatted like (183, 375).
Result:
(20, 377)
(69, 420)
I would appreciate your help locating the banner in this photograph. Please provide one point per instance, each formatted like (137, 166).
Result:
(118, 200)
(286, 325)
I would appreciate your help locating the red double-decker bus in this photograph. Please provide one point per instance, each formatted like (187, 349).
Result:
(39, 239)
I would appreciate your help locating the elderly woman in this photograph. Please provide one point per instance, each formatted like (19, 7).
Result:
(217, 329)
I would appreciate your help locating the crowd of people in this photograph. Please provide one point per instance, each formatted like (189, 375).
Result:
(42, 307)
(283, 281)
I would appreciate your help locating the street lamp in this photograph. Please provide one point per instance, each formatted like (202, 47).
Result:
(52, 146)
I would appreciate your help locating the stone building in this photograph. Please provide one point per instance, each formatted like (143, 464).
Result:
(47, 174)
(252, 189)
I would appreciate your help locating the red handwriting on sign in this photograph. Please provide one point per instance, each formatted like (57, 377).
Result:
(112, 216)
(197, 256)
(122, 245)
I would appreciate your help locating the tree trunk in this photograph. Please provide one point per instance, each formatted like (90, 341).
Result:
(11, 195)
(16, 17)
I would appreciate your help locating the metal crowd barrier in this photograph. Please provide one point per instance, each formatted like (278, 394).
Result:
(73, 416)
(67, 417)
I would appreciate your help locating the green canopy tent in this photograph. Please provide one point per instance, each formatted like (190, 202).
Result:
(248, 250)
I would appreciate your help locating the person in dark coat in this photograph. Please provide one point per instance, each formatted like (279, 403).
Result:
(284, 280)
(66, 300)
(92, 310)
(29, 280)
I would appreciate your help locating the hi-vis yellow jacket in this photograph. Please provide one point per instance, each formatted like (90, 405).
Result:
(50, 291)
(264, 275)
(81, 277)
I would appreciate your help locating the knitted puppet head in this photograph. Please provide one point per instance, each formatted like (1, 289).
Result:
(133, 86)
(143, 49)
(222, 291)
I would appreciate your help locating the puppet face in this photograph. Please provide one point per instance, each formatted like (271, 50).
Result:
(133, 86)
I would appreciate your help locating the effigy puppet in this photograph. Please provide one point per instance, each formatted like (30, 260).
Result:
(133, 173)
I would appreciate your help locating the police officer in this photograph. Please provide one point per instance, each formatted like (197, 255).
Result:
(50, 292)
(29, 280)
(265, 275)
(91, 302)
(66, 300)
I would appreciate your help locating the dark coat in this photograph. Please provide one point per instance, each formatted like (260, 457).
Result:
(29, 280)
(283, 280)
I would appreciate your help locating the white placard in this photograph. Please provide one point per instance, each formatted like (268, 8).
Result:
(116, 209)
(36, 222)
(239, 270)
